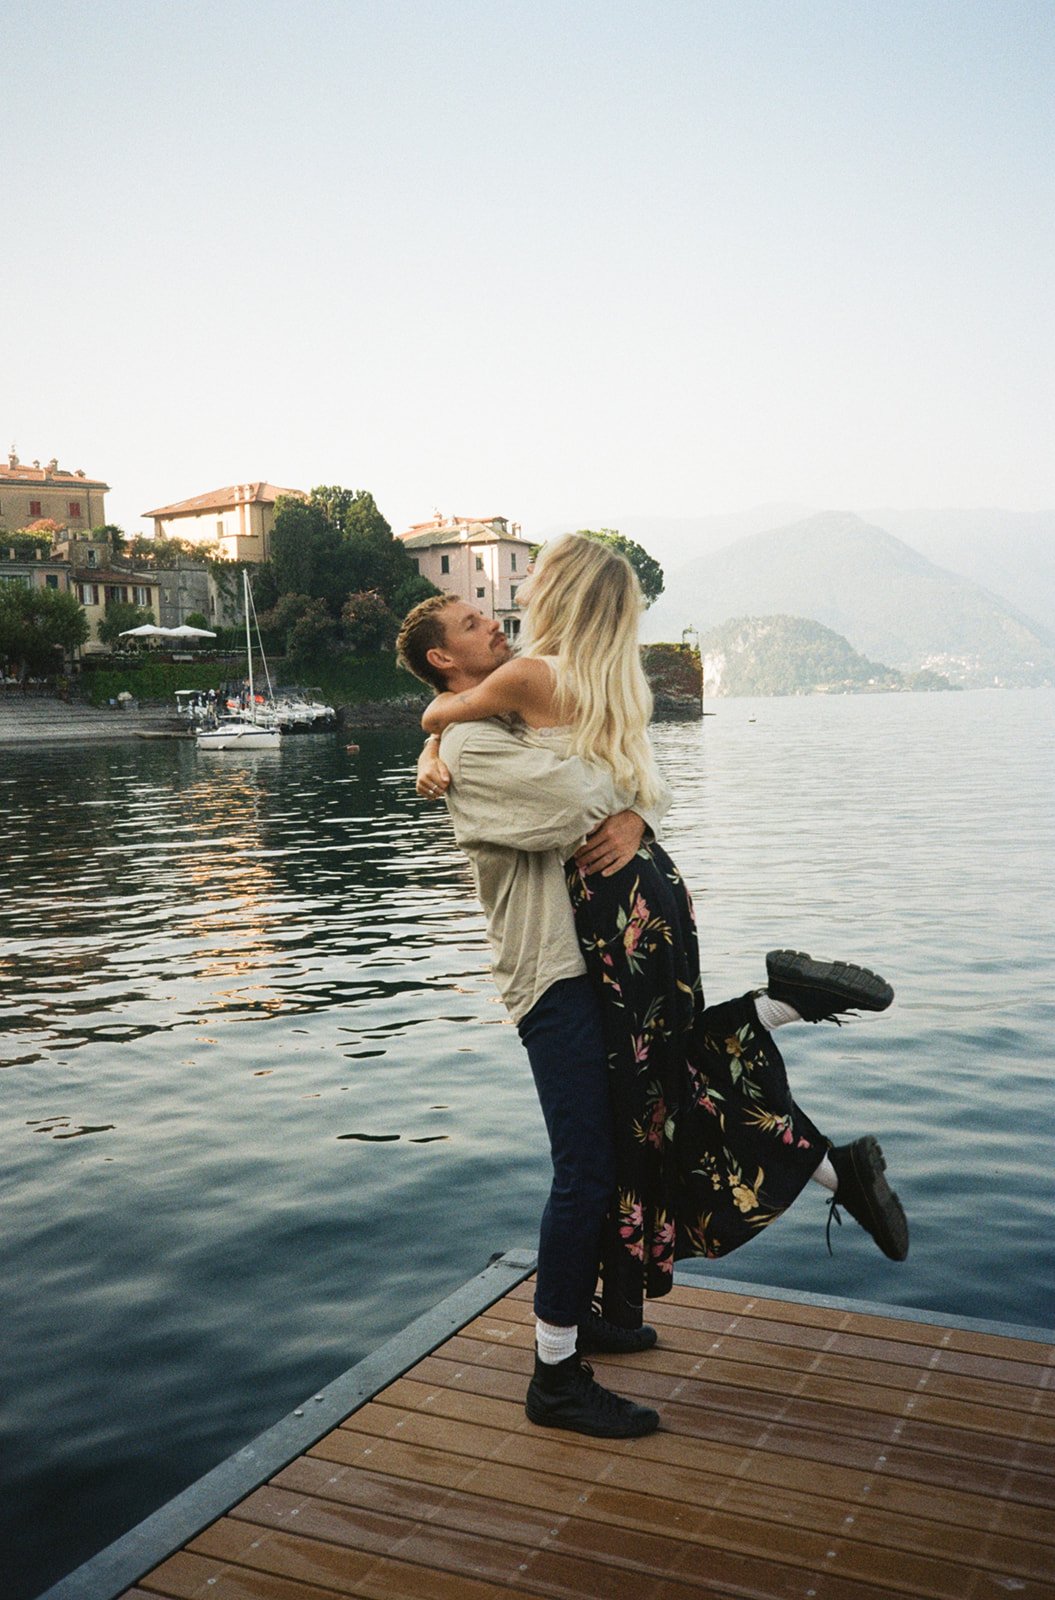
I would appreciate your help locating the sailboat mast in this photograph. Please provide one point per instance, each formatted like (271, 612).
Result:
(248, 641)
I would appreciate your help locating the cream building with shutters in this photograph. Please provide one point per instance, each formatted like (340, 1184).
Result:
(236, 521)
(480, 559)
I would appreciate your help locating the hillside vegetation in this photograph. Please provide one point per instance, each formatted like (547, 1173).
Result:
(890, 602)
(790, 655)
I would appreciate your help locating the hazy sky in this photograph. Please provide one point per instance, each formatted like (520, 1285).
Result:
(558, 261)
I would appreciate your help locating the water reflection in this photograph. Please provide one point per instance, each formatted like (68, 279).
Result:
(263, 1105)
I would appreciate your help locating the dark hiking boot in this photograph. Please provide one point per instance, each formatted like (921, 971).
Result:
(819, 990)
(598, 1334)
(566, 1395)
(864, 1192)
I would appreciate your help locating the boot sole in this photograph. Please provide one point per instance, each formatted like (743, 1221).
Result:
(887, 1224)
(849, 988)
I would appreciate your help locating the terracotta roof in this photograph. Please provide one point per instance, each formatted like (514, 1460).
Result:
(423, 541)
(22, 474)
(440, 521)
(224, 499)
(459, 530)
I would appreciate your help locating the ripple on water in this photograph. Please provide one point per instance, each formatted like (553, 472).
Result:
(263, 1105)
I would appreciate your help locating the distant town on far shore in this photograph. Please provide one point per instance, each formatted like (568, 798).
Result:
(829, 602)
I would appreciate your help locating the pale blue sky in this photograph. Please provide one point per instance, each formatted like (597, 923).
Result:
(561, 261)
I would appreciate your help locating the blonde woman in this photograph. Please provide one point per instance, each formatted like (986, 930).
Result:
(710, 1145)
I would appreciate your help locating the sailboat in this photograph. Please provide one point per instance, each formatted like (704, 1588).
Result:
(243, 731)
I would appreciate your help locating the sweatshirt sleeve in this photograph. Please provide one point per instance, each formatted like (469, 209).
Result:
(507, 792)
(652, 816)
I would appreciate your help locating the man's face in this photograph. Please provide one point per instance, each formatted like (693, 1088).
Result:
(475, 645)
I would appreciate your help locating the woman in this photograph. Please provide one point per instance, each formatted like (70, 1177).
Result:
(711, 1146)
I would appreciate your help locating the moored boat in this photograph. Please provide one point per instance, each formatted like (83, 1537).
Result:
(255, 728)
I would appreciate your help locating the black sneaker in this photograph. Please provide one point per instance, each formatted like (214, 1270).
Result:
(566, 1396)
(597, 1334)
(864, 1192)
(818, 990)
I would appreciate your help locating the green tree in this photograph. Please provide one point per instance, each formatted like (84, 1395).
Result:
(369, 625)
(120, 616)
(114, 536)
(45, 529)
(312, 636)
(35, 624)
(336, 544)
(649, 572)
(303, 548)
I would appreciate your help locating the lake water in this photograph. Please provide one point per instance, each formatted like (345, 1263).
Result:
(261, 1106)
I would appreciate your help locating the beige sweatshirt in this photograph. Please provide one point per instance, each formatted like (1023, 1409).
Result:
(520, 808)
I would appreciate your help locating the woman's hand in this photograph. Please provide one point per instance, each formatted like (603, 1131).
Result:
(433, 779)
(612, 845)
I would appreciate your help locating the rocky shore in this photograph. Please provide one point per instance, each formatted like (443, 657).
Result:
(30, 719)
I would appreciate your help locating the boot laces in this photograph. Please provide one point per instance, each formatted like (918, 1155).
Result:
(601, 1398)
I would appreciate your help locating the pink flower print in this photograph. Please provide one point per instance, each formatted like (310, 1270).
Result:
(803, 1144)
(640, 1048)
(707, 1104)
(663, 1239)
(658, 1122)
(635, 926)
(787, 1137)
(633, 1220)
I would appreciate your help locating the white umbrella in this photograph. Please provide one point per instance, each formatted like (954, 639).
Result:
(146, 630)
(185, 631)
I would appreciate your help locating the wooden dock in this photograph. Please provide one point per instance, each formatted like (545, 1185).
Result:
(808, 1448)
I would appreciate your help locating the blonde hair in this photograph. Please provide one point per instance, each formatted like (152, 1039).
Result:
(584, 608)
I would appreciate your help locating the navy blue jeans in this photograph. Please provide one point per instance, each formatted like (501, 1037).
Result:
(564, 1038)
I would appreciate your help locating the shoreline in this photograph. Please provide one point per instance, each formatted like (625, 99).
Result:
(28, 720)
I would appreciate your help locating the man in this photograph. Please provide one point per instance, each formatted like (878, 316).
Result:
(519, 811)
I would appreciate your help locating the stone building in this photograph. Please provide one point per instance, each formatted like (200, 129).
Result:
(479, 559)
(236, 521)
(99, 578)
(35, 494)
(33, 567)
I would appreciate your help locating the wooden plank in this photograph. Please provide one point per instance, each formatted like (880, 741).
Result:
(632, 1568)
(751, 1341)
(189, 1576)
(873, 1338)
(823, 1373)
(806, 1453)
(435, 1484)
(781, 1427)
(484, 1428)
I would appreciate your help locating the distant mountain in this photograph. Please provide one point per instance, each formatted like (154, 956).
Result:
(1011, 553)
(888, 600)
(676, 540)
(789, 655)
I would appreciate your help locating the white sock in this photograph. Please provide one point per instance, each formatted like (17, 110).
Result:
(553, 1342)
(826, 1175)
(774, 1013)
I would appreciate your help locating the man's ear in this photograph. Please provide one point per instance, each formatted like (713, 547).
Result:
(441, 659)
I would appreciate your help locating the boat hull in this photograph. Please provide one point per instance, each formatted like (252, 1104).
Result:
(242, 736)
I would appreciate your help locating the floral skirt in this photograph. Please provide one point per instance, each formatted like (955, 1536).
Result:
(710, 1145)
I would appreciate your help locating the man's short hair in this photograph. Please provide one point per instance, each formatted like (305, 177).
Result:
(421, 632)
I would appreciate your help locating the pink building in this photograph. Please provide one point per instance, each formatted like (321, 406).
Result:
(479, 559)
